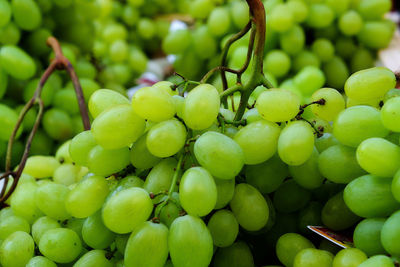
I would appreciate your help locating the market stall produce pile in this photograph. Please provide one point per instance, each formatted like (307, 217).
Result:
(190, 172)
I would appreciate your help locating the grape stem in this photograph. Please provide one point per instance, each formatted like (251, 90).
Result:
(59, 62)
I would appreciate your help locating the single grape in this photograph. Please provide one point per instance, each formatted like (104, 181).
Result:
(367, 236)
(12, 224)
(16, 250)
(349, 257)
(324, 49)
(373, 9)
(350, 23)
(378, 260)
(23, 201)
(50, 198)
(333, 103)
(320, 16)
(160, 177)
(106, 162)
(225, 191)
(311, 257)
(94, 258)
(40, 261)
(281, 18)
(289, 245)
(42, 225)
(104, 99)
(307, 174)
(277, 63)
(95, 234)
(293, 40)
(41, 166)
(219, 21)
(223, 227)
(26, 14)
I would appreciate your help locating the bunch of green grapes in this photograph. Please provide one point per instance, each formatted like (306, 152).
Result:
(323, 40)
(168, 179)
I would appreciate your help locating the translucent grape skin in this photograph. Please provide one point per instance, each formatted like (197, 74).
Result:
(378, 260)
(223, 227)
(94, 258)
(41, 225)
(184, 232)
(160, 177)
(258, 140)
(80, 147)
(141, 157)
(23, 202)
(307, 174)
(390, 114)
(312, 257)
(50, 198)
(12, 224)
(296, 143)
(103, 99)
(349, 257)
(5, 13)
(127, 209)
(106, 162)
(249, 207)
(225, 191)
(201, 107)
(117, 127)
(147, 245)
(367, 236)
(379, 156)
(166, 138)
(26, 14)
(219, 154)
(40, 261)
(95, 233)
(289, 245)
(16, 62)
(41, 166)
(17, 249)
(333, 103)
(278, 105)
(390, 234)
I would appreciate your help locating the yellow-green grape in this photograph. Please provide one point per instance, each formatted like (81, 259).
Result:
(201, 107)
(225, 191)
(80, 147)
(349, 257)
(41, 166)
(141, 157)
(258, 140)
(223, 227)
(13, 224)
(296, 143)
(219, 21)
(350, 23)
(16, 250)
(166, 86)
(278, 105)
(277, 63)
(26, 14)
(197, 192)
(390, 114)
(289, 245)
(94, 258)
(333, 103)
(8, 120)
(373, 9)
(5, 13)
(238, 253)
(95, 234)
(309, 79)
(154, 104)
(249, 207)
(369, 84)
(379, 156)
(40, 261)
(117, 127)
(42, 225)
(378, 260)
(371, 102)
(320, 16)
(23, 201)
(166, 138)
(311, 257)
(87, 196)
(281, 18)
(106, 162)
(16, 62)
(299, 10)
(179, 100)
(62, 153)
(390, 233)
(103, 99)
(160, 177)
(50, 198)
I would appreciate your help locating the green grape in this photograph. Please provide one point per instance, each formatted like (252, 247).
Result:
(350, 23)
(311, 257)
(118, 51)
(252, 115)
(5, 213)
(40, 261)
(80, 147)
(345, 47)
(184, 232)
(60, 245)
(57, 124)
(367, 236)
(370, 196)
(75, 225)
(336, 72)
(105, 162)
(334, 103)
(307, 174)
(323, 49)
(137, 60)
(3, 81)
(23, 201)
(309, 215)
(289, 245)
(355, 124)
(370, 83)
(258, 141)
(16, 250)
(130, 15)
(238, 254)
(219, 154)
(13, 224)
(200, 9)
(390, 114)
(309, 79)
(146, 28)
(239, 13)
(147, 245)
(379, 156)
(336, 215)
(320, 16)
(339, 6)
(296, 143)
(293, 40)
(197, 192)
(88, 87)
(95, 234)
(85, 69)
(249, 207)
(305, 58)
(153, 104)
(117, 127)
(176, 41)
(219, 21)
(171, 210)
(299, 10)
(201, 107)
(376, 34)
(5, 13)
(166, 138)
(362, 59)
(141, 157)
(160, 177)
(225, 191)
(277, 63)
(378, 260)
(104, 99)
(349, 257)
(48, 92)
(50, 198)
(67, 174)
(8, 120)
(373, 9)
(10, 34)
(390, 233)
(396, 186)
(267, 176)
(299, 197)
(26, 14)
(278, 105)
(125, 210)
(223, 227)
(114, 31)
(87, 197)
(94, 258)
(66, 100)
(42, 225)
(281, 18)
(41, 166)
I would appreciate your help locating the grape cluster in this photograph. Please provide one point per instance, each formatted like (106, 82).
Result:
(173, 180)
(332, 38)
